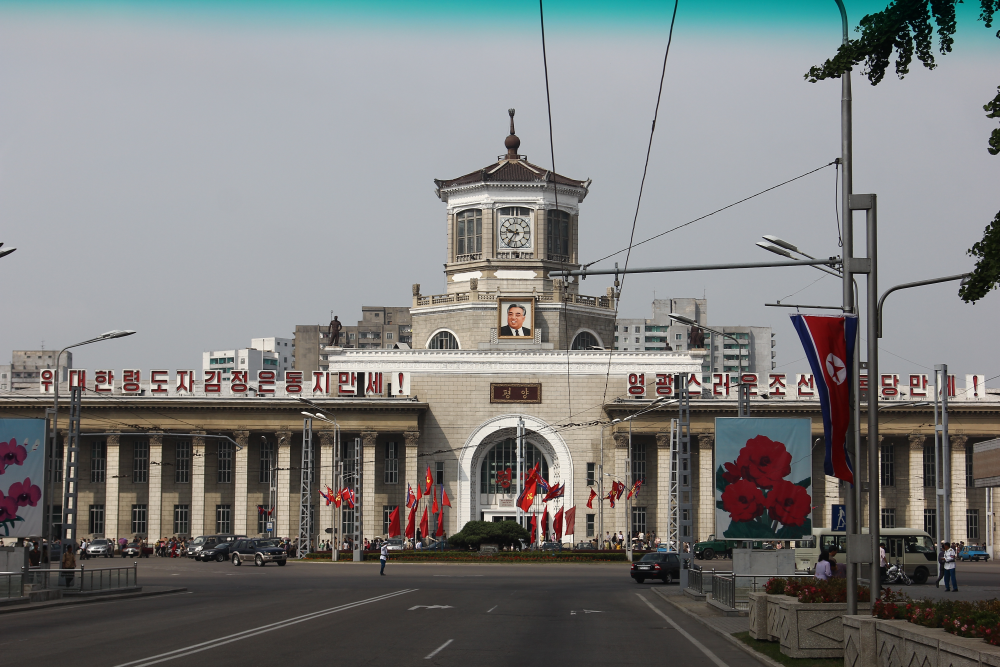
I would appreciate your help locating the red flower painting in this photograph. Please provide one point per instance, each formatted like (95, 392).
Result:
(764, 461)
(743, 500)
(731, 473)
(11, 454)
(8, 508)
(24, 493)
(788, 503)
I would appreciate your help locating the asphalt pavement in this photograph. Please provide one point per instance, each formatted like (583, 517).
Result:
(426, 614)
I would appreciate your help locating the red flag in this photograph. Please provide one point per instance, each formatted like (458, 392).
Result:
(423, 524)
(571, 521)
(557, 524)
(394, 523)
(434, 507)
(440, 530)
(430, 480)
(527, 497)
(590, 500)
(419, 493)
(545, 524)
(410, 521)
(611, 498)
(444, 498)
(410, 498)
(534, 528)
(635, 488)
(338, 498)
(619, 490)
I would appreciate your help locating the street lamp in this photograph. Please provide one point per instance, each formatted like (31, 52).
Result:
(6, 251)
(600, 480)
(781, 247)
(67, 512)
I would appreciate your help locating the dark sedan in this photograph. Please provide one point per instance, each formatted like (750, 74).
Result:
(663, 566)
(218, 552)
(260, 551)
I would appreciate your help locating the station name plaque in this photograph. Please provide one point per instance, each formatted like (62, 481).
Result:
(515, 393)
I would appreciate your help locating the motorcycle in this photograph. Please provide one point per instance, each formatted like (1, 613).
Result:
(895, 574)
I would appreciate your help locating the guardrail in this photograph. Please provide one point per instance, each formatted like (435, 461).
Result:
(694, 580)
(733, 591)
(83, 580)
(11, 585)
(724, 591)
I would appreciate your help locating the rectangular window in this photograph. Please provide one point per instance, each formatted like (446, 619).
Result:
(638, 461)
(223, 519)
(558, 235)
(57, 465)
(55, 517)
(225, 457)
(888, 464)
(590, 525)
(469, 238)
(439, 473)
(972, 524)
(262, 520)
(930, 522)
(140, 462)
(98, 462)
(266, 462)
(139, 519)
(930, 473)
(346, 524)
(638, 520)
(391, 475)
(888, 517)
(968, 467)
(386, 510)
(182, 462)
(182, 519)
(96, 526)
(591, 474)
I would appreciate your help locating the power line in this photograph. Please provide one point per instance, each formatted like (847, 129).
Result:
(642, 184)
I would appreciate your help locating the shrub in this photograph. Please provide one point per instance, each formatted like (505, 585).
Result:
(775, 586)
(474, 533)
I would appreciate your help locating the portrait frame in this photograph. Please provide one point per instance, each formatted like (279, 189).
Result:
(528, 305)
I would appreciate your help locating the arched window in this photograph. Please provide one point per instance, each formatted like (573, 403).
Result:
(444, 340)
(469, 234)
(557, 244)
(585, 341)
(503, 456)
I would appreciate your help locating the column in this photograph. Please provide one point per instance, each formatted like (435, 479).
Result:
(369, 526)
(282, 510)
(111, 488)
(663, 479)
(915, 469)
(154, 506)
(240, 489)
(412, 438)
(324, 479)
(620, 466)
(198, 484)
(705, 509)
(959, 495)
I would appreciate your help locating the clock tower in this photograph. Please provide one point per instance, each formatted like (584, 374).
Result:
(510, 223)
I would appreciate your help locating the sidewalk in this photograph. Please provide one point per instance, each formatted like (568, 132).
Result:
(705, 613)
(145, 591)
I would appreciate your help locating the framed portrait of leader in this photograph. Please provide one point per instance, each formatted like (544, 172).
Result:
(516, 318)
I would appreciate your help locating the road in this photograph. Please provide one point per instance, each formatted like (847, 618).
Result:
(427, 614)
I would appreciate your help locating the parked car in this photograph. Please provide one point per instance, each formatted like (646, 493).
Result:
(136, 550)
(973, 552)
(218, 551)
(658, 565)
(203, 541)
(101, 547)
(260, 551)
(585, 546)
(394, 544)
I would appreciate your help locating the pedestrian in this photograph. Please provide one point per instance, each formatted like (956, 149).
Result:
(68, 566)
(383, 556)
(949, 570)
(823, 570)
(941, 549)
(883, 564)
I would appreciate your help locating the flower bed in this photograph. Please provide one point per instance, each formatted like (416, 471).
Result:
(971, 619)
(804, 615)
(456, 556)
(814, 591)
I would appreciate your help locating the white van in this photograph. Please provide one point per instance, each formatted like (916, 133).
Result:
(914, 549)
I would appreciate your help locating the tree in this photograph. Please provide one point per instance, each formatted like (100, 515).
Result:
(907, 28)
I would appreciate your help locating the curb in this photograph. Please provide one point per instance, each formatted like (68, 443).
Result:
(760, 657)
(87, 600)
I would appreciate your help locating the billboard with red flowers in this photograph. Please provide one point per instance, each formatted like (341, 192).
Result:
(22, 472)
(763, 480)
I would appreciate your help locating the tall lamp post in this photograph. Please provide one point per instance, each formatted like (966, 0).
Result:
(69, 514)
(600, 485)
(336, 449)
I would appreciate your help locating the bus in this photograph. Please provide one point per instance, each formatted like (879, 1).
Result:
(914, 549)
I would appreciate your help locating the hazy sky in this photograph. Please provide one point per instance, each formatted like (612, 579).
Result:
(205, 173)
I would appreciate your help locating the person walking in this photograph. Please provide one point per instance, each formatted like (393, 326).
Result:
(883, 564)
(68, 564)
(823, 570)
(950, 584)
(941, 549)
(383, 556)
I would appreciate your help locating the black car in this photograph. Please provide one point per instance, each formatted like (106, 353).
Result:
(663, 566)
(218, 552)
(260, 551)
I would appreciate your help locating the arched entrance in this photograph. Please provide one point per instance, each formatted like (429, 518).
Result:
(491, 446)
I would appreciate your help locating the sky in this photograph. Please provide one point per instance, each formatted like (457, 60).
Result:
(206, 173)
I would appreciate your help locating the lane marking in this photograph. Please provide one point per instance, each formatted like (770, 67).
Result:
(437, 650)
(458, 576)
(228, 639)
(432, 606)
(704, 649)
(492, 608)
(592, 611)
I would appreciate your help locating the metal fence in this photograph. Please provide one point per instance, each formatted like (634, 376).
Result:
(82, 580)
(734, 591)
(11, 585)
(694, 580)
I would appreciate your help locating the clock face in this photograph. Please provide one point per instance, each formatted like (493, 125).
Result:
(515, 232)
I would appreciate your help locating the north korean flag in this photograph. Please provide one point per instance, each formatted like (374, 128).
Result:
(829, 344)
(411, 499)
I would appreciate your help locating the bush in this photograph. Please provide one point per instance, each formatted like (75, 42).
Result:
(775, 586)
(475, 533)
(813, 590)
